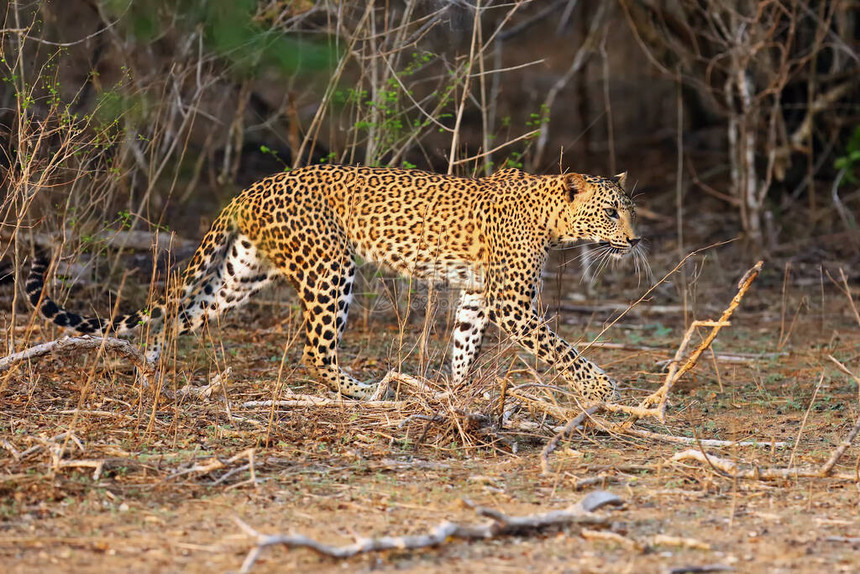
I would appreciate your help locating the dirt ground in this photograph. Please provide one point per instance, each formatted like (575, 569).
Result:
(97, 475)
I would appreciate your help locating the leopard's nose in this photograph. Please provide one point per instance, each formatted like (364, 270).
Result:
(633, 241)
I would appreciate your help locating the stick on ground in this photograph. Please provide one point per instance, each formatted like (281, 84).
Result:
(730, 469)
(565, 433)
(655, 404)
(500, 525)
(84, 343)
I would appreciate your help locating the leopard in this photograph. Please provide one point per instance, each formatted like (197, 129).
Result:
(489, 237)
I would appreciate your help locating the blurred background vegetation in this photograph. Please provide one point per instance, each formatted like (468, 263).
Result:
(733, 117)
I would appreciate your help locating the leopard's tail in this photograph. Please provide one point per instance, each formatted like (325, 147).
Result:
(51, 310)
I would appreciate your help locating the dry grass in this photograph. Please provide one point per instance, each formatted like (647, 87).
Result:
(101, 473)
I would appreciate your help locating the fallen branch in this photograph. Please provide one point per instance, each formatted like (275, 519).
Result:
(214, 463)
(848, 539)
(840, 450)
(400, 381)
(702, 441)
(680, 542)
(46, 443)
(589, 413)
(730, 469)
(738, 357)
(121, 347)
(98, 466)
(614, 308)
(299, 400)
(613, 537)
(415, 385)
(565, 433)
(659, 398)
(203, 392)
(705, 569)
(500, 525)
(723, 357)
(602, 479)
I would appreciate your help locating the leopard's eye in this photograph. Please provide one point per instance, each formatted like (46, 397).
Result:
(612, 213)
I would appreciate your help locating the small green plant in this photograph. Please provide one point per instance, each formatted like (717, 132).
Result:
(514, 160)
(269, 151)
(849, 162)
(125, 218)
(538, 119)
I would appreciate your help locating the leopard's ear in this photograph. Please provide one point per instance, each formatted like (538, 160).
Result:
(621, 180)
(575, 183)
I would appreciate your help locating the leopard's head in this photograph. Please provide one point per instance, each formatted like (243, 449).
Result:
(599, 210)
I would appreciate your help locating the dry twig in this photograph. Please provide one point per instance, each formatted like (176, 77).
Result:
(730, 469)
(565, 432)
(204, 392)
(642, 433)
(844, 369)
(301, 400)
(840, 450)
(608, 536)
(659, 398)
(212, 464)
(45, 443)
(680, 542)
(500, 525)
(83, 343)
(553, 410)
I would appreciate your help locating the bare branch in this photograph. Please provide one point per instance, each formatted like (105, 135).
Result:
(730, 469)
(84, 343)
(500, 525)
(660, 397)
(565, 432)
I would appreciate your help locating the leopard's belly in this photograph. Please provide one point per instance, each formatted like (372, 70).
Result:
(440, 269)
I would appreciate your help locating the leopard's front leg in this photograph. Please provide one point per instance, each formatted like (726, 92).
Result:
(522, 323)
(511, 308)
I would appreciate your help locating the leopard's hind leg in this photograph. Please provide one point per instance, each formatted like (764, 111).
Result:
(326, 293)
(227, 280)
(323, 275)
(224, 272)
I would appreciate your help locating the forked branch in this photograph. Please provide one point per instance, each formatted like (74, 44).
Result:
(500, 524)
(84, 343)
(676, 369)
